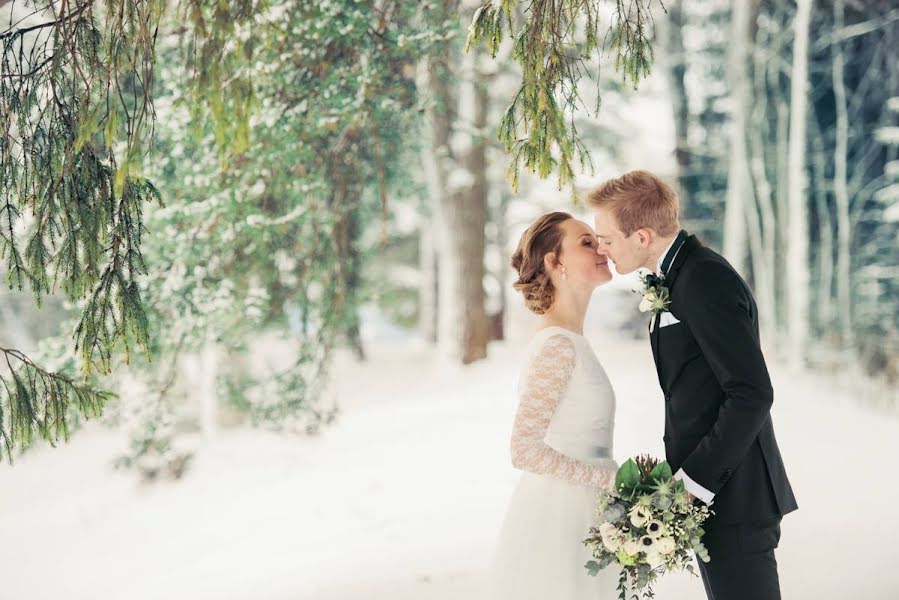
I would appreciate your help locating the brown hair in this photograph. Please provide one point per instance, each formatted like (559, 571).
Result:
(543, 236)
(638, 199)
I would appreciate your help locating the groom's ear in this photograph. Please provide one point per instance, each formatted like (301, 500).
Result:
(645, 236)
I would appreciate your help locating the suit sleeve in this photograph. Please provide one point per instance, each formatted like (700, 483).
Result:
(718, 312)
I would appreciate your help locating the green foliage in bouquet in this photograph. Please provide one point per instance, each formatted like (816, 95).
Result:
(649, 526)
(641, 475)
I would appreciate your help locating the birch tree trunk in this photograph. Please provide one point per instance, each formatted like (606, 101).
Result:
(797, 250)
(776, 83)
(671, 38)
(764, 192)
(824, 287)
(738, 184)
(840, 185)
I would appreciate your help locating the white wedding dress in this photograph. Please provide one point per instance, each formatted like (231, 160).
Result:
(562, 440)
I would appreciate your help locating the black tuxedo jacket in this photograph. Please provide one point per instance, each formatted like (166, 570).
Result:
(718, 394)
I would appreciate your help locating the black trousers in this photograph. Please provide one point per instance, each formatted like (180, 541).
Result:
(742, 564)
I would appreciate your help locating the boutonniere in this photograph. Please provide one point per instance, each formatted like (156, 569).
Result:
(655, 295)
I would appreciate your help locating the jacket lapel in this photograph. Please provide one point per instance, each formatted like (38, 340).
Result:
(686, 249)
(654, 341)
(689, 246)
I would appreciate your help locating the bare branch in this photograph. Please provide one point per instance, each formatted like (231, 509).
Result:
(863, 28)
(61, 20)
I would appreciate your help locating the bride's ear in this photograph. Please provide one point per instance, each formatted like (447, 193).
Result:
(549, 261)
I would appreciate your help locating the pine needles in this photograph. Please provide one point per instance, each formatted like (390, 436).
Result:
(76, 115)
(36, 402)
(538, 127)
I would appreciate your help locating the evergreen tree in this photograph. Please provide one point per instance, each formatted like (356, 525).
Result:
(291, 126)
(268, 236)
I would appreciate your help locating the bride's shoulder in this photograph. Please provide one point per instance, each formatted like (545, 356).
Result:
(554, 340)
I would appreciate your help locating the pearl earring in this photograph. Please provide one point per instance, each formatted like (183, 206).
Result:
(564, 274)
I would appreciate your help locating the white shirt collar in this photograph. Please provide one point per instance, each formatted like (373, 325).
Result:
(664, 254)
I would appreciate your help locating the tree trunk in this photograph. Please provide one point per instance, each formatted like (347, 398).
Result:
(840, 186)
(427, 262)
(457, 182)
(824, 288)
(797, 251)
(764, 193)
(762, 279)
(501, 242)
(776, 84)
(738, 183)
(671, 38)
(344, 205)
(824, 295)
(463, 317)
(431, 83)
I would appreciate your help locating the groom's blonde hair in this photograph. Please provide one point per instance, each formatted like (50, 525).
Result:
(638, 200)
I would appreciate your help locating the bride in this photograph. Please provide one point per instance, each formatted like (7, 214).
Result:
(562, 433)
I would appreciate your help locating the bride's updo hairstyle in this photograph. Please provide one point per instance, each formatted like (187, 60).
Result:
(543, 236)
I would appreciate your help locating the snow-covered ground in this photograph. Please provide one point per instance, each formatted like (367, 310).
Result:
(401, 499)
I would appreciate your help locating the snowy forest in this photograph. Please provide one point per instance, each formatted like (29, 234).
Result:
(259, 332)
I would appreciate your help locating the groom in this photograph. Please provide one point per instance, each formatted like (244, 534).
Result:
(719, 438)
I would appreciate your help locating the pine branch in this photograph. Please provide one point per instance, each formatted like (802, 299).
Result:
(552, 47)
(37, 402)
(75, 114)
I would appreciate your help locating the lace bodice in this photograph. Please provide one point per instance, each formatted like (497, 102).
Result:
(566, 412)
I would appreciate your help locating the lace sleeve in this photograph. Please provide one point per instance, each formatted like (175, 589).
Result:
(543, 386)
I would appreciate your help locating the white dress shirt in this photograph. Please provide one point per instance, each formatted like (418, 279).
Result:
(664, 254)
(681, 475)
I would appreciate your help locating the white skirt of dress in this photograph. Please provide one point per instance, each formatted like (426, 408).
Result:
(539, 554)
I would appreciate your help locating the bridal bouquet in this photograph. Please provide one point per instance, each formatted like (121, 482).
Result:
(650, 527)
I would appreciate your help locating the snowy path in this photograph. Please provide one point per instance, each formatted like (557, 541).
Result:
(402, 499)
